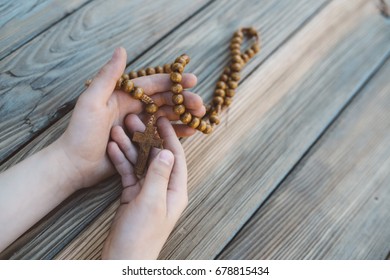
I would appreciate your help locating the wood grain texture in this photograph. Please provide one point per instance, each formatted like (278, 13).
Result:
(269, 18)
(279, 111)
(41, 80)
(21, 21)
(64, 219)
(297, 92)
(335, 204)
(278, 24)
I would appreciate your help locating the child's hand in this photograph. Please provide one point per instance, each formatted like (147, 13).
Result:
(99, 108)
(150, 207)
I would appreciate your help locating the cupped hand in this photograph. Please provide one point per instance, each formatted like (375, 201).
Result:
(150, 206)
(100, 107)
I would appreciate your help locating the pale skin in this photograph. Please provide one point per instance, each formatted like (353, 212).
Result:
(86, 154)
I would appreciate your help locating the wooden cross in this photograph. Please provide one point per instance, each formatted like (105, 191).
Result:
(146, 140)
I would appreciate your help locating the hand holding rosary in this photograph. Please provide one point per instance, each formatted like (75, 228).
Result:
(223, 94)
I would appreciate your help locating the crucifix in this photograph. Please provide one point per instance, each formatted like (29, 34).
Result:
(146, 141)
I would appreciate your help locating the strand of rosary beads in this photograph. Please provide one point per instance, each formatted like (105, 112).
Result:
(223, 94)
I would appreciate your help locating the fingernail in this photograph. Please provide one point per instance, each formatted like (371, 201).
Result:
(166, 157)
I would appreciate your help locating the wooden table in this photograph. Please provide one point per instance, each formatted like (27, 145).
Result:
(300, 166)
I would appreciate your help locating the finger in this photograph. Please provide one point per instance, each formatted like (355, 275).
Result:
(122, 165)
(183, 130)
(124, 143)
(154, 189)
(133, 123)
(191, 100)
(162, 83)
(171, 142)
(177, 196)
(104, 83)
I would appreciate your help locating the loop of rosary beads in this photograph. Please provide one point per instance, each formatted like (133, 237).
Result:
(224, 91)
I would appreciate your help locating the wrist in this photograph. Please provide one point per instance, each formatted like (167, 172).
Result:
(68, 176)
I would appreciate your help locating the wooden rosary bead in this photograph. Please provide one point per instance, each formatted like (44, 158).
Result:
(125, 77)
(245, 57)
(236, 40)
(228, 101)
(237, 59)
(88, 82)
(235, 76)
(127, 86)
(119, 83)
(221, 85)
(194, 123)
(141, 73)
(235, 46)
(232, 84)
(235, 52)
(219, 92)
(214, 119)
(179, 109)
(230, 93)
(186, 117)
(137, 93)
(177, 67)
(159, 69)
(177, 99)
(236, 67)
(239, 34)
(250, 53)
(176, 77)
(218, 100)
(224, 78)
(150, 71)
(186, 57)
(251, 31)
(167, 68)
(151, 108)
(133, 75)
(202, 126)
(177, 88)
(208, 129)
(227, 70)
(181, 60)
(256, 48)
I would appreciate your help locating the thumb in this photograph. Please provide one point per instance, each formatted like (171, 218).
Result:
(157, 177)
(104, 83)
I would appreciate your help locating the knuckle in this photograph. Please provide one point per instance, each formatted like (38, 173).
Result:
(161, 171)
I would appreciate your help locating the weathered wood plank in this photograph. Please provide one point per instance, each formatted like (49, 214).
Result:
(292, 99)
(40, 81)
(335, 204)
(276, 20)
(20, 22)
(85, 22)
(316, 77)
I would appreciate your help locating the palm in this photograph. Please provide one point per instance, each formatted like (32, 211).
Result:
(88, 133)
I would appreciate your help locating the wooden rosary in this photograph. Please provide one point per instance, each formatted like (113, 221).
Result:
(223, 94)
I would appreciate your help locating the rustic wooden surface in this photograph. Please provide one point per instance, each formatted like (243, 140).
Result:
(334, 204)
(298, 168)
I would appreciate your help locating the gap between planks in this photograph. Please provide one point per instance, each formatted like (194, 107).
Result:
(194, 237)
(270, 16)
(41, 80)
(334, 205)
(19, 27)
